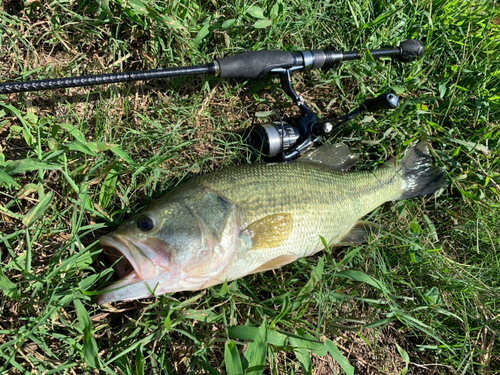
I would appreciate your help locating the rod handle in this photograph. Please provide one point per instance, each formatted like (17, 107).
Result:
(256, 64)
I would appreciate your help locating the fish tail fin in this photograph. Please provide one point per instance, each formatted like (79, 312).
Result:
(420, 175)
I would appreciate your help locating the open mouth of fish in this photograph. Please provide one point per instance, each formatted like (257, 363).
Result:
(132, 264)
(120, 263)
(145, 269)
(127, 257)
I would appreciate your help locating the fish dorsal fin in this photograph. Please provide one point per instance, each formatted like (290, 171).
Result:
(336, 156)
(360, 232)
(270, 231)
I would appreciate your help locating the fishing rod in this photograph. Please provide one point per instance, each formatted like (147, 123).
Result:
(254, 64)
(284, 140)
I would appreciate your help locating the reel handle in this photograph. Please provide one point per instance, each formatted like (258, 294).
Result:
(384, 101)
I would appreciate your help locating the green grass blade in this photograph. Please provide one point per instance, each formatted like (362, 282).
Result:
(232, 358)
(339, 357)
(109, 186)
(361, 277)
(256, 352)
(8, 287)
(36, 212)
(89, 344)
(7, 180)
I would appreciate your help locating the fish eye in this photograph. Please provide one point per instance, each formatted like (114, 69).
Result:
(145, 223)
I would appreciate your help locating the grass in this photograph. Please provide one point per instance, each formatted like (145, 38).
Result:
(424, 297)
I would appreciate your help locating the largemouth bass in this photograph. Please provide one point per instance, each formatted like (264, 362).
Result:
(256, 217)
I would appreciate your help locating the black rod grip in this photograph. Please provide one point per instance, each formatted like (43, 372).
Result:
(256, 64)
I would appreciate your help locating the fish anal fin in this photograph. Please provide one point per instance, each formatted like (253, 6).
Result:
(275, 263)
(336, 156)
(270, 231)
(360, 232)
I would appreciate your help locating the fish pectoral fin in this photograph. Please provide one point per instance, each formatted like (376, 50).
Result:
(360, 232)
(275, 263)
(270, 231)
(336, 156)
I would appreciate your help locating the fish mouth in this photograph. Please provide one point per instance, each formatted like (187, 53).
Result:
(130, 263)
(120, 263)
(121, 252)
(147, 269)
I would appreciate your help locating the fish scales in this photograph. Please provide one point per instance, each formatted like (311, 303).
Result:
(251, 218)
(322, 201)
(316, 195)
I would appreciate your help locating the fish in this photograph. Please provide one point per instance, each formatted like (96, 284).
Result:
(251, 218)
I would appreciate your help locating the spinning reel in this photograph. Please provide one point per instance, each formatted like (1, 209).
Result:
(289, 138)
(283, 140)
